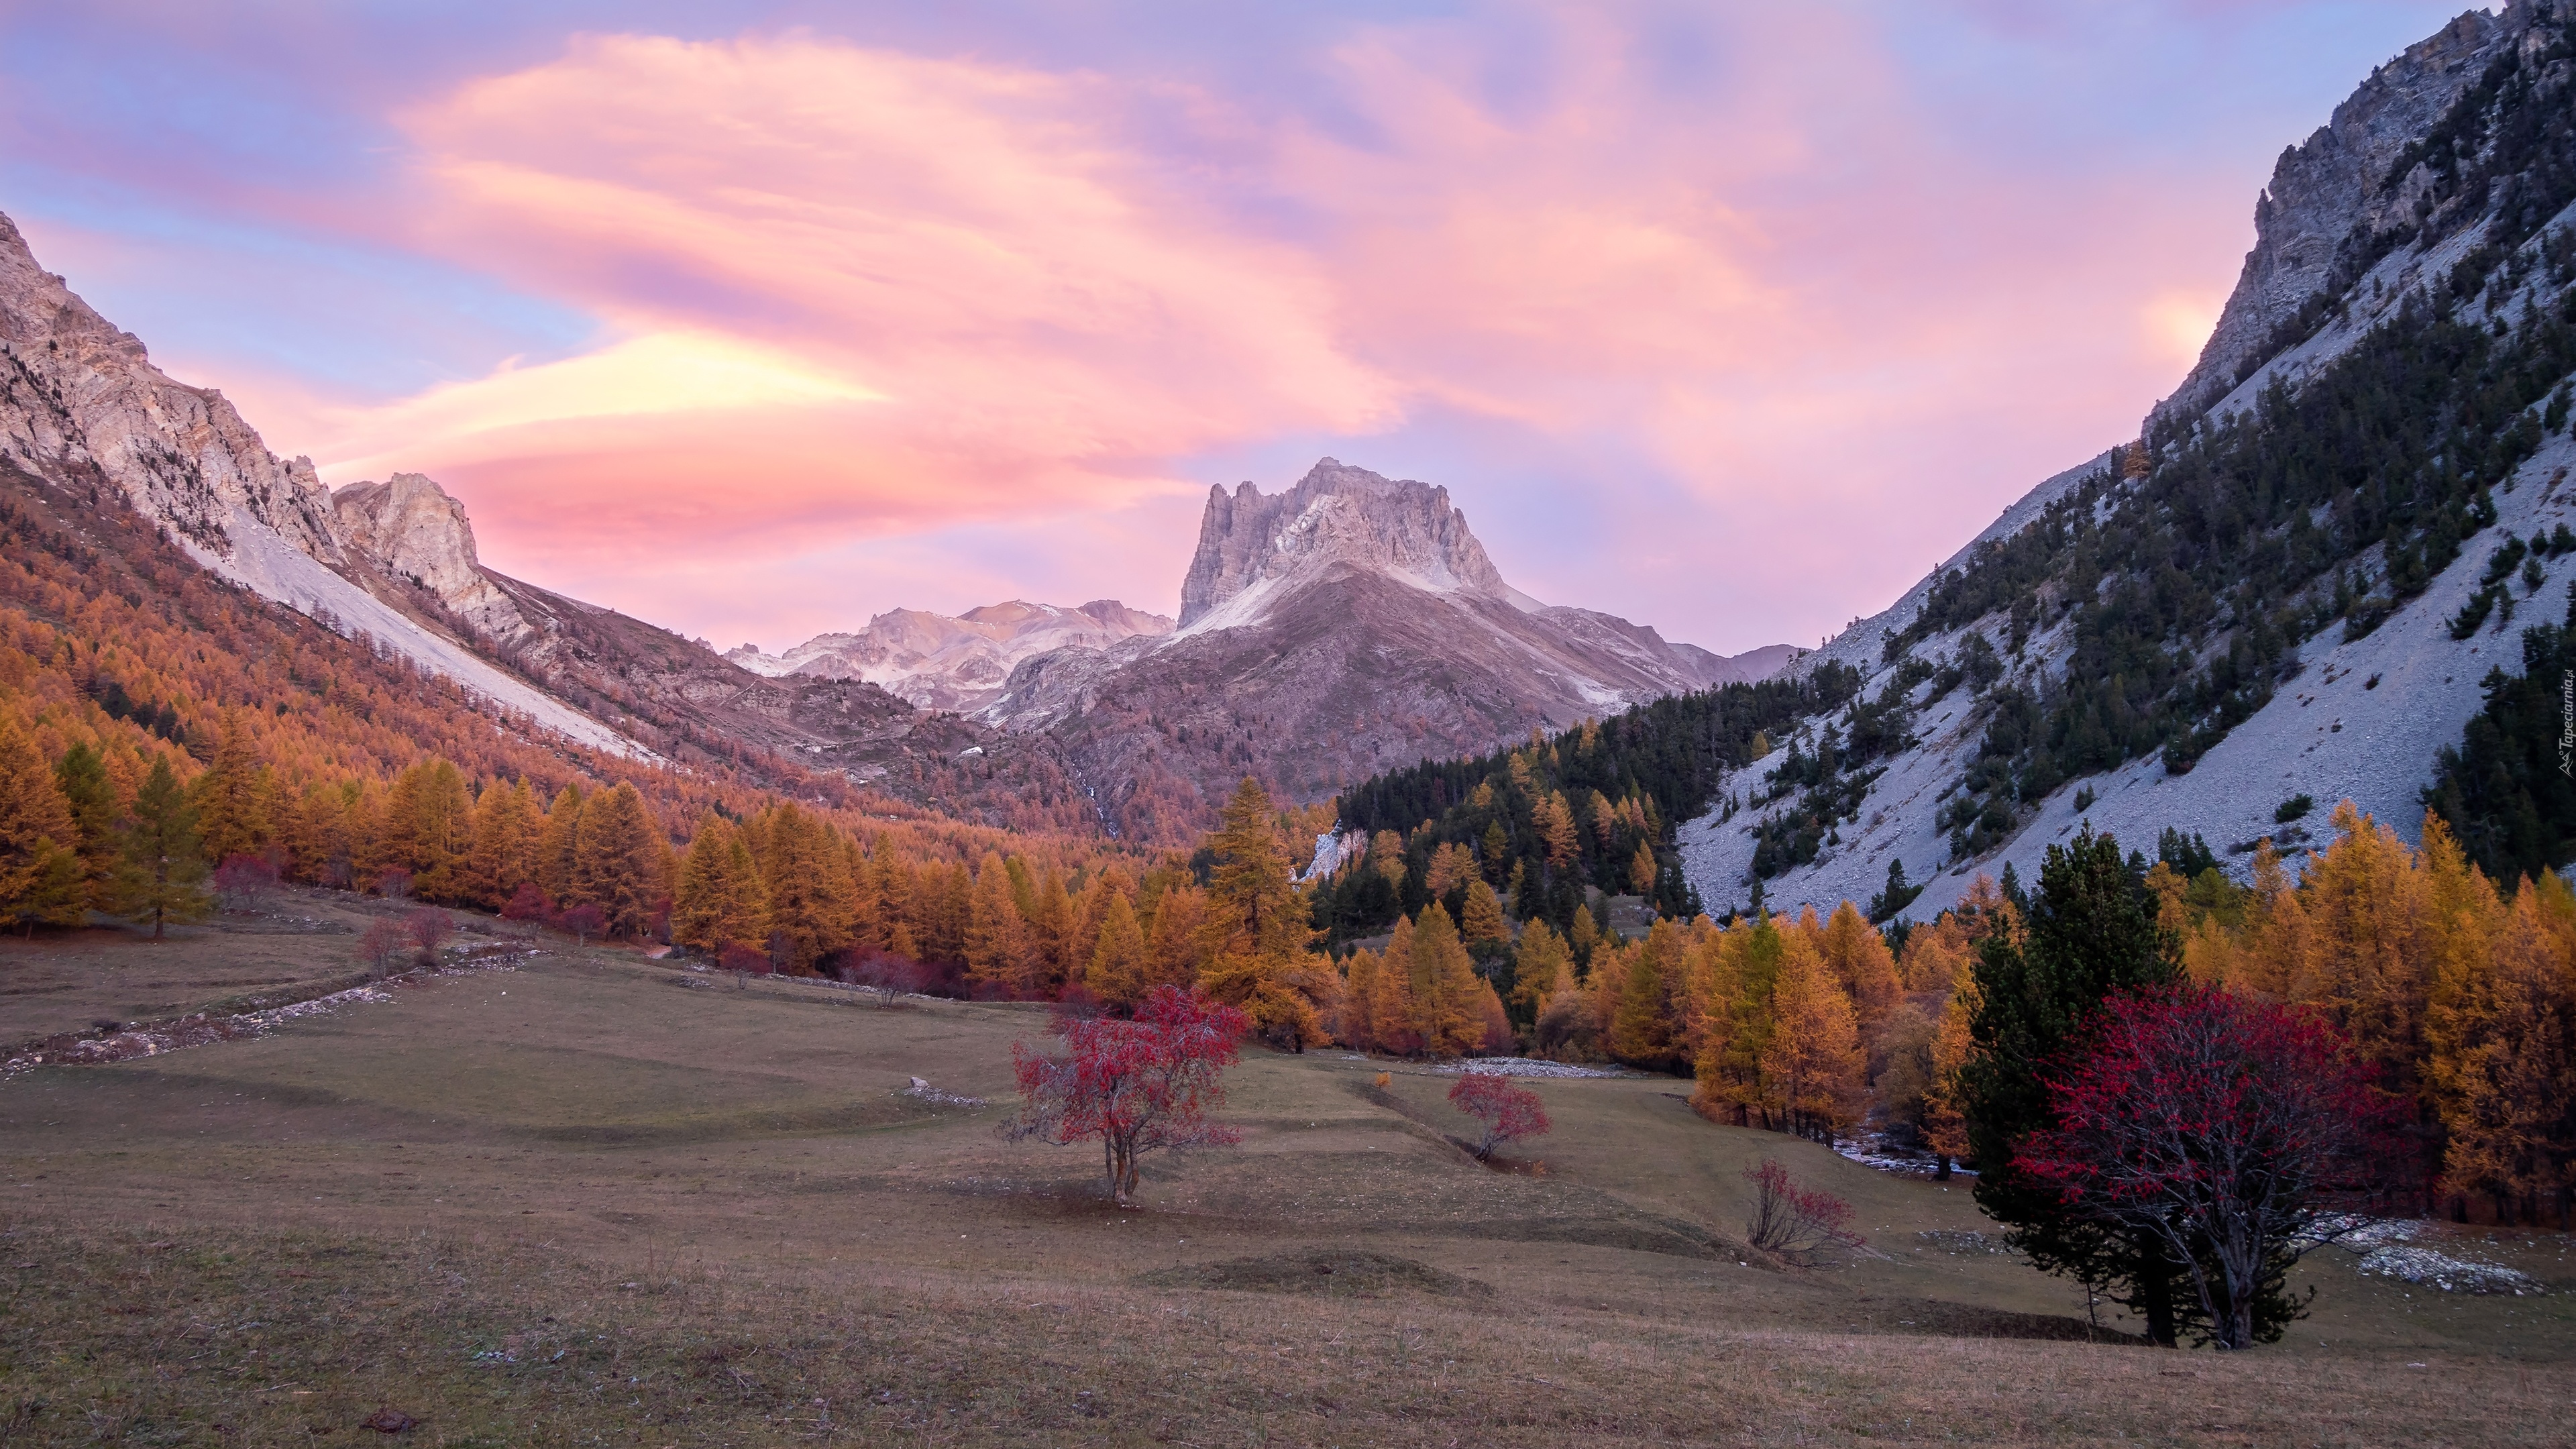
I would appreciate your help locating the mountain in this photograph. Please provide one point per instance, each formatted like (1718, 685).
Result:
(1346, 625)
(1349, 624)
(2293, 586)
(960, 662)
(82, 406)
(86, 417)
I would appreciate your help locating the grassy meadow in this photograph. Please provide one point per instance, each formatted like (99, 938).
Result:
(597, 1200)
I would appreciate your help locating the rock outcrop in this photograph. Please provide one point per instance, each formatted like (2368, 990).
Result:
(1251, 545)
(2332, 188)
(413, 532)
(83, 409)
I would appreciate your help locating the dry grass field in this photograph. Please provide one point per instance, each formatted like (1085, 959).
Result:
(593, 1200)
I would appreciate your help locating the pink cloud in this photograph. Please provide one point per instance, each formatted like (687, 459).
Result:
(854, 297)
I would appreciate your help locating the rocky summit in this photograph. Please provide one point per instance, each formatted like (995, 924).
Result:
(1348, 624)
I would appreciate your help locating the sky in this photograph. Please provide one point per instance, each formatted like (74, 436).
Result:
(755, 320)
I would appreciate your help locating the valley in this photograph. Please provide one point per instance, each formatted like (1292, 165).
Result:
(2123, 990)
(597, 1195)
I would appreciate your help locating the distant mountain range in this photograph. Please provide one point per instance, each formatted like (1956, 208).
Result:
(1349, 623)
(960, 662)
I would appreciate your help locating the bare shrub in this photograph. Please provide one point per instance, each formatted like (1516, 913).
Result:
(1792, 1223)
(429, 928)
(394, 884)
(382, 947)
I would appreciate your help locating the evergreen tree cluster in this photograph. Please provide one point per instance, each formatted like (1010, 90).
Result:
(2506, 790)
(1591, 808)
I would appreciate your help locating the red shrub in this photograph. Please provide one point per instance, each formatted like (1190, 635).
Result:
(888, 975)
(529, 904)
(245, 881)
(382, 946)
(429, 928)
(583, 922)
(1509, 1110)
(738, 957)
(1792, 1223)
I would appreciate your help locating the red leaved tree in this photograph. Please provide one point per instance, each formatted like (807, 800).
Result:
(1792, 1223)
(2239, 1134)
(1509, 1110)
(1136, 1085)
(429, 929)
(890, 975)
(245, 881)
(583, 922)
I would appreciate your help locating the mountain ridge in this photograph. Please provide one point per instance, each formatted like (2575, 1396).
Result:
(2435, 211)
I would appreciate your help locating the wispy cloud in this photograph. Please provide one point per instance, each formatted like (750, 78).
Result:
(1732, 319)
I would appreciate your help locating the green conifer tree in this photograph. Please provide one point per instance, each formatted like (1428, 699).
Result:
(2090, 931)
(81, 774)
(162, 876)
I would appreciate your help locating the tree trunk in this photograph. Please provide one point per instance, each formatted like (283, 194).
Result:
(2155, 1291)
(1942, 1174)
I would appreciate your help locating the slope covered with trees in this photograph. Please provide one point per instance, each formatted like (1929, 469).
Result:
(1588, 809)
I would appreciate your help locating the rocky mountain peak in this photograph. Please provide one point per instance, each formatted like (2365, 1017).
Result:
(2335, 187)
(1335, 514)
(77, 392)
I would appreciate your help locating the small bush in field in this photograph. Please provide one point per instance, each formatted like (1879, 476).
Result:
(1508, 1110)
(383, 946)
(737, 957)
(1792, 1223)
(429, 928)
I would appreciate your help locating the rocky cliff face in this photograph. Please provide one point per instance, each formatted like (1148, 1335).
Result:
(2332, 188)
(960, 662)
(79, 396)
(414, 533)
(1250, 544)
(83, 409)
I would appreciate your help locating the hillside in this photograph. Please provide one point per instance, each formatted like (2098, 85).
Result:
(2294, 586)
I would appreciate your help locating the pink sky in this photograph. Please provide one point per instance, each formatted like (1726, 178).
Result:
(1736, 339)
